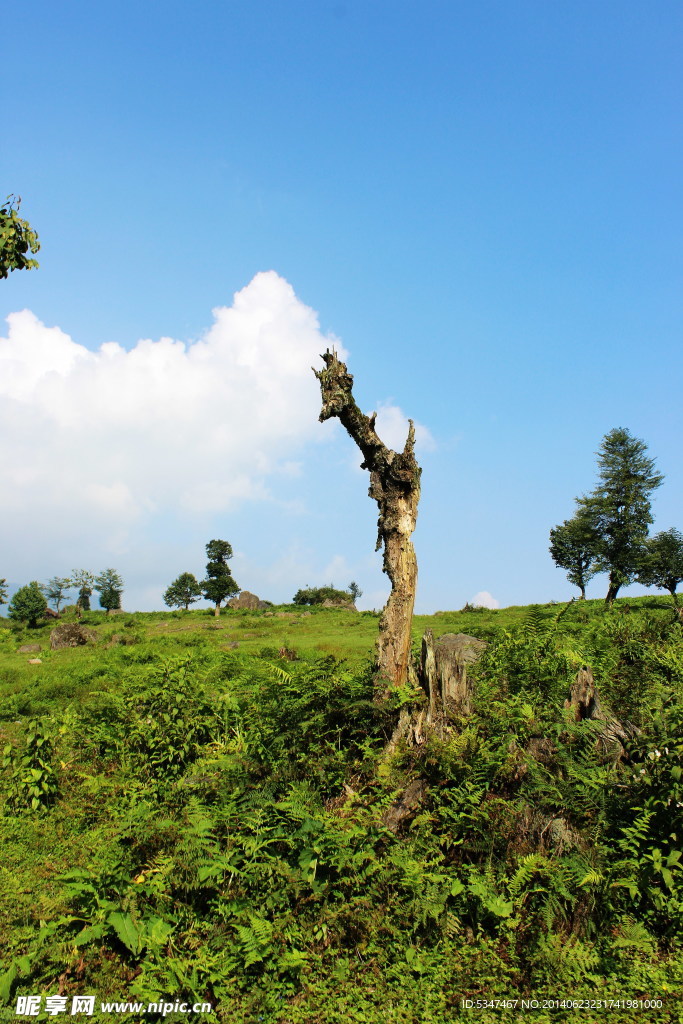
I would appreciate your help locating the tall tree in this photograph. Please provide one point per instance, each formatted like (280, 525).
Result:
(619, 507)
(574, 547)
(183, 592)
(109, 585)
(28, 604)
(662, 565)
(84, 582)
(17, 238)
(56, 589)
(395, 486)
(219, 583)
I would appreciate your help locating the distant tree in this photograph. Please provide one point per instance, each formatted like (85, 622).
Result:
(56, 589)
(318, 595)
(28, 604)
(84, 582)
(574, 548)
(662, 564)
(109, 585)
(619, 508)
(3, 591)
(183, 592)
(219, 583)
(17, 238)
(354, 591)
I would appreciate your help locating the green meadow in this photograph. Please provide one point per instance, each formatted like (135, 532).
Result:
(197, 809)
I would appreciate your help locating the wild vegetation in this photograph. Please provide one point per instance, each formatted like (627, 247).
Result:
(208, 809)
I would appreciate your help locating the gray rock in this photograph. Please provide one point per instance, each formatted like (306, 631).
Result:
(248, 601)
(342, 606)
(29, 648)
(71, 634)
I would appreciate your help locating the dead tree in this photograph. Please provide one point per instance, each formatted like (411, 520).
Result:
(395, 486)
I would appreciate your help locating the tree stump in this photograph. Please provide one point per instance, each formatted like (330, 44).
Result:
(584, 701)
(444, 679)
(443, 674)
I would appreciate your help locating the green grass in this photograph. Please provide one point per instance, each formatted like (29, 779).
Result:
(225, 807)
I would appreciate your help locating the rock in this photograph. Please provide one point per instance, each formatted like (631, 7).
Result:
(249, 601)
(342, 606)
(233, 644)
(284, 615)
(29, 648)
(71, 634)
(50, 614)
(35, 661)
(306, 615)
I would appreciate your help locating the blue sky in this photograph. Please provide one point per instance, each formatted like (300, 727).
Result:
(480, 201)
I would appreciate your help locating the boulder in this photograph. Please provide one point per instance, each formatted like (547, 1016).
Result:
(345, 606)
(35, 661)
(29, 648)
(71, 634)
(50, 614)
(248, 601)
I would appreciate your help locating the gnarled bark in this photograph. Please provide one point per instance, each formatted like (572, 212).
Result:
(395, 486)
(584, 702)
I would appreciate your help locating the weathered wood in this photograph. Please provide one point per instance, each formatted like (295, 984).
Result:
(444, 679)
(584, 702)
(443, 674)
(395, 486)
(406, 805)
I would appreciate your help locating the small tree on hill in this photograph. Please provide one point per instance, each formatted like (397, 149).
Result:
(17, 237)
(619, 508)
(3, 591)
(109, 585)
(84, 582)
(662, 564)
(56, 589)
(28, 604)
(183, 592)
(219, 583)
(354, 591)
(574, 548)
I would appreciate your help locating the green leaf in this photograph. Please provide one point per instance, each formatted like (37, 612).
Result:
(126, 930)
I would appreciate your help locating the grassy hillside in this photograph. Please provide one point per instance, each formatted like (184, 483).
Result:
(197, 809)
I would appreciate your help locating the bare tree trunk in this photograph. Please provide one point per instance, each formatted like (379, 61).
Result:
(217, 609)
(612, 592)
(395, 486)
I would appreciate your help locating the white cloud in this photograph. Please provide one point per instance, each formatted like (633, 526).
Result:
(98, 442)
(484, 600)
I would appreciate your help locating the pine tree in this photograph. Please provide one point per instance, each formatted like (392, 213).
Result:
(619, 508)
